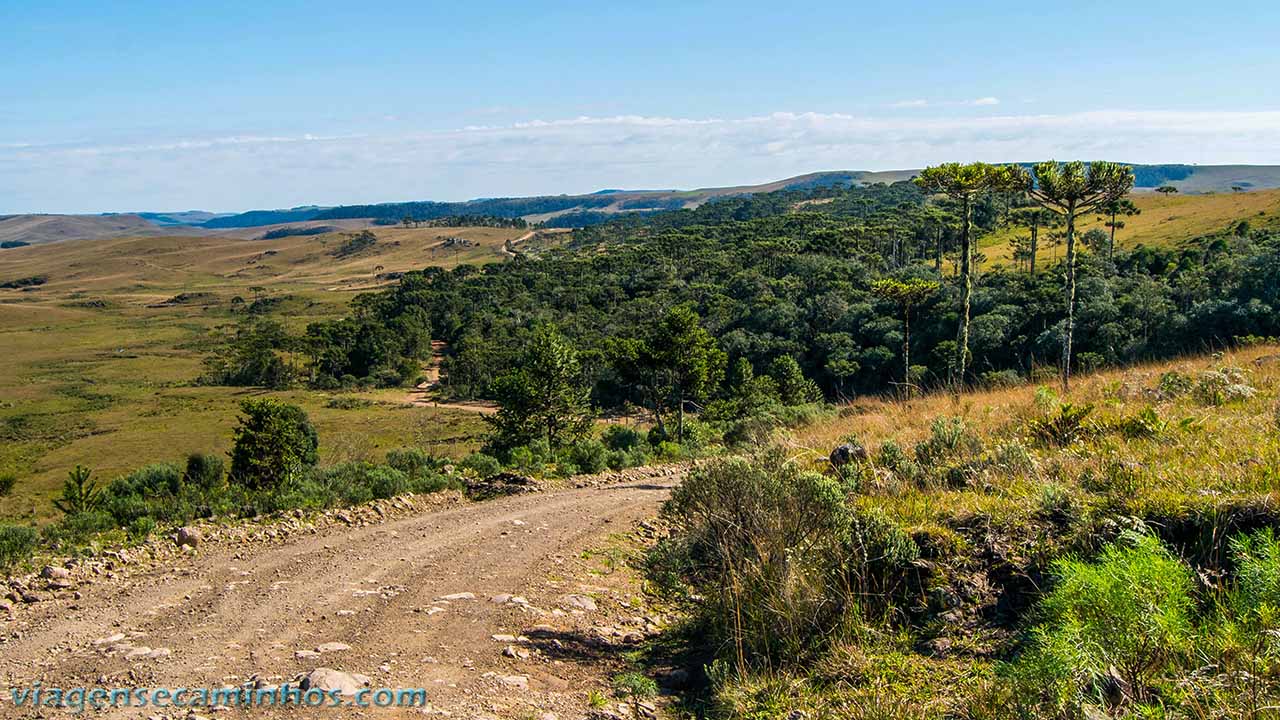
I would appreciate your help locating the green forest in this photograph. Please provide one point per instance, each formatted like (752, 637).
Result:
(801, 275)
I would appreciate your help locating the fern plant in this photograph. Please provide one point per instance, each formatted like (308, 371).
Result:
(1067, 426)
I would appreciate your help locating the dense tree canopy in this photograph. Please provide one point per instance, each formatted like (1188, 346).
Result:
(792, 275)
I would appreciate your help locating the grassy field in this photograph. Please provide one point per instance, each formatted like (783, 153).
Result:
(937, 576)
(1165, 220)
(100, 359)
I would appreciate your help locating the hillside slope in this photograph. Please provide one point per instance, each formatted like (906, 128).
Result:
(37, 229)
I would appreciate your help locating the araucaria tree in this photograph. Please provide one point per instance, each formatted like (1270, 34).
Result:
(1070, 189)
(544, 399)
(1113, 210)
(964, 184)
(906, 294)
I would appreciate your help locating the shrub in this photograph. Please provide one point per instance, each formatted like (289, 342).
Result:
(1065, 427)
(589, 455)
(1175, 384)
(775, 552)
(482, 465)
(16, 544)
(1218, 387)
(149, 481)
(274, 441)
(141, 528)
(949, 440)
(204, 471)
(621, 437)
(1146, 423)
(1000, 379)
(1129, 613)
(414, 462)
(77, 529)
(527, 459)
(385, 481)
(892, 456)
(1014, 458)
(7, 481)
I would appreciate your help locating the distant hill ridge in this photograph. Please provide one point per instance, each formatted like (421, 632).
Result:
(1187, 178)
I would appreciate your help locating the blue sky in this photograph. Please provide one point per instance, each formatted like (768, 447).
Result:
(230, 106)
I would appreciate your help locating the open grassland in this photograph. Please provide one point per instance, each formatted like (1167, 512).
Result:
(100, 360)
(1165, 221)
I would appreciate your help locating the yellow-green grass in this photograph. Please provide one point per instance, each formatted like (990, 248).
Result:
(1209, 454)
(99, 372)
(1165, 220)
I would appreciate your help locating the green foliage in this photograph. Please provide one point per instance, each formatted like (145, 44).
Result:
(1225, 385)
(273, 442)
(793, 387)
(252, 357)
(1146, 423)
(782, 562)
(17, 543)
(544, 398)
(80, 494)
(950, 440)
(1256, 595)
(1129, 613)
(621, 437)
(7, 481)
(677, 361)
(588, 455)
(204, 471)
(1174, 384)
(1067, 426)
(481, 465)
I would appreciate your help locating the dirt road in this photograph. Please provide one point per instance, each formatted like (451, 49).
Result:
(373, 600)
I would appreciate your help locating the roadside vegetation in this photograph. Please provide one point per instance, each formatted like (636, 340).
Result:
(1007, 553)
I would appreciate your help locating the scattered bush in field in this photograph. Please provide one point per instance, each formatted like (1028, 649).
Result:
(16, 544)
(621, 437)
(1065, 427)
(1056, 502)
(7, 481)
(893, 457)
(1129, 613)
(80, 494)
(1000, 379)
(779, 557)
(1046, 398)
(1014, 458)
(1146, 423)
(75, 530)
(950, 439)
(1175, 384)
(347, 402)
(274, 442)
(1218, 387)
(204, 471)
(482, 465)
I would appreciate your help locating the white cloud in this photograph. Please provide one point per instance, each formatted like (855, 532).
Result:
(984, 101)
(910, 104)
(586, 153)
